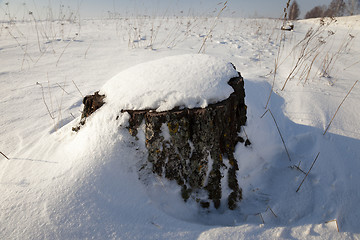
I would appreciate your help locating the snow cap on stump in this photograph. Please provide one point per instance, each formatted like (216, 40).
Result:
(185, 81)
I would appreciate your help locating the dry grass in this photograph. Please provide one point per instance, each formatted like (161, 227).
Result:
(308, 172)
(315, 49)
(4, 155)
(308, 50)
(331, 57)
(340, 106)
(336, 222)
(277, 127)
(48, 30)
(209, 34)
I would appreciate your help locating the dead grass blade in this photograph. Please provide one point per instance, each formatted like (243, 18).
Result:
(282, 139)
(43, 97)
(4, 155)
(337, 225)
(202, 48)
(308, 171)
(340, 106)
(269, 208)
(78, 89)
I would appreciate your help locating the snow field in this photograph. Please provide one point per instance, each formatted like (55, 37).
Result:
(64, 185)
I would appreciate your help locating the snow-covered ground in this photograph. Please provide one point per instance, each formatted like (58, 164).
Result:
(58, 184)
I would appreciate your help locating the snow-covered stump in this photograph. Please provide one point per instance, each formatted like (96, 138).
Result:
(195, 147)
(192, 122)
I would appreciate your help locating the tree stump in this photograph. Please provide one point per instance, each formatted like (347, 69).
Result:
(194, 147)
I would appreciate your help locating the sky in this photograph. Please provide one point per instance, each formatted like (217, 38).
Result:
(97, 8)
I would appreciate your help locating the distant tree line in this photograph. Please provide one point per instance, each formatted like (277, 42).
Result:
(294, 11)
(336, 8)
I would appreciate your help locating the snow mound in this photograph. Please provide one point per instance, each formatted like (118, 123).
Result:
(190, 80)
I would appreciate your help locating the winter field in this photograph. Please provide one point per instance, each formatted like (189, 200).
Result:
(58, 184)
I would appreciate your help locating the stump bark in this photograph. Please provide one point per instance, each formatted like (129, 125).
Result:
(195, 147)
(91, 104)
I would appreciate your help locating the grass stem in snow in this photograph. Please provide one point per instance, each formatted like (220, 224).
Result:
(77, 88)
(273, 83)
(298, 168)
(261, 217)
(202, 48)
(340, 106)
(282, 139)
(308, 171)
(43, 97)
(62, 88)
(351, 65)
(4, 156)
(337, 225)
(62, 53)
(87, 50)
(269, 208)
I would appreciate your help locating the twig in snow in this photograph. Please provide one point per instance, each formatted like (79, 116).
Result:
(271, 211)
(202, 48)
(77, 88)
(60, 106)
(24, 56)
(20, 45)
(156, 225)
(310, 67)
(298, 168)
(308, 171)
(48, 82)
(245, 132)
(67, 45)
(247, 141)
(37, 31)
(43, 96)
(87, 50)
(337, 226)
(4, 156)
(62, 88)
(282, 139)
(351, 65)
(273, 83)
(331, 59)
(340, 105)
(262, 219)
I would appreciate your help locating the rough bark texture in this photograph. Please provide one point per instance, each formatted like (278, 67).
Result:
(200, 150)
(194, 147)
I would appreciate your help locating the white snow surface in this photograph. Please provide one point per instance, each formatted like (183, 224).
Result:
(192, 80)
(58, 184)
